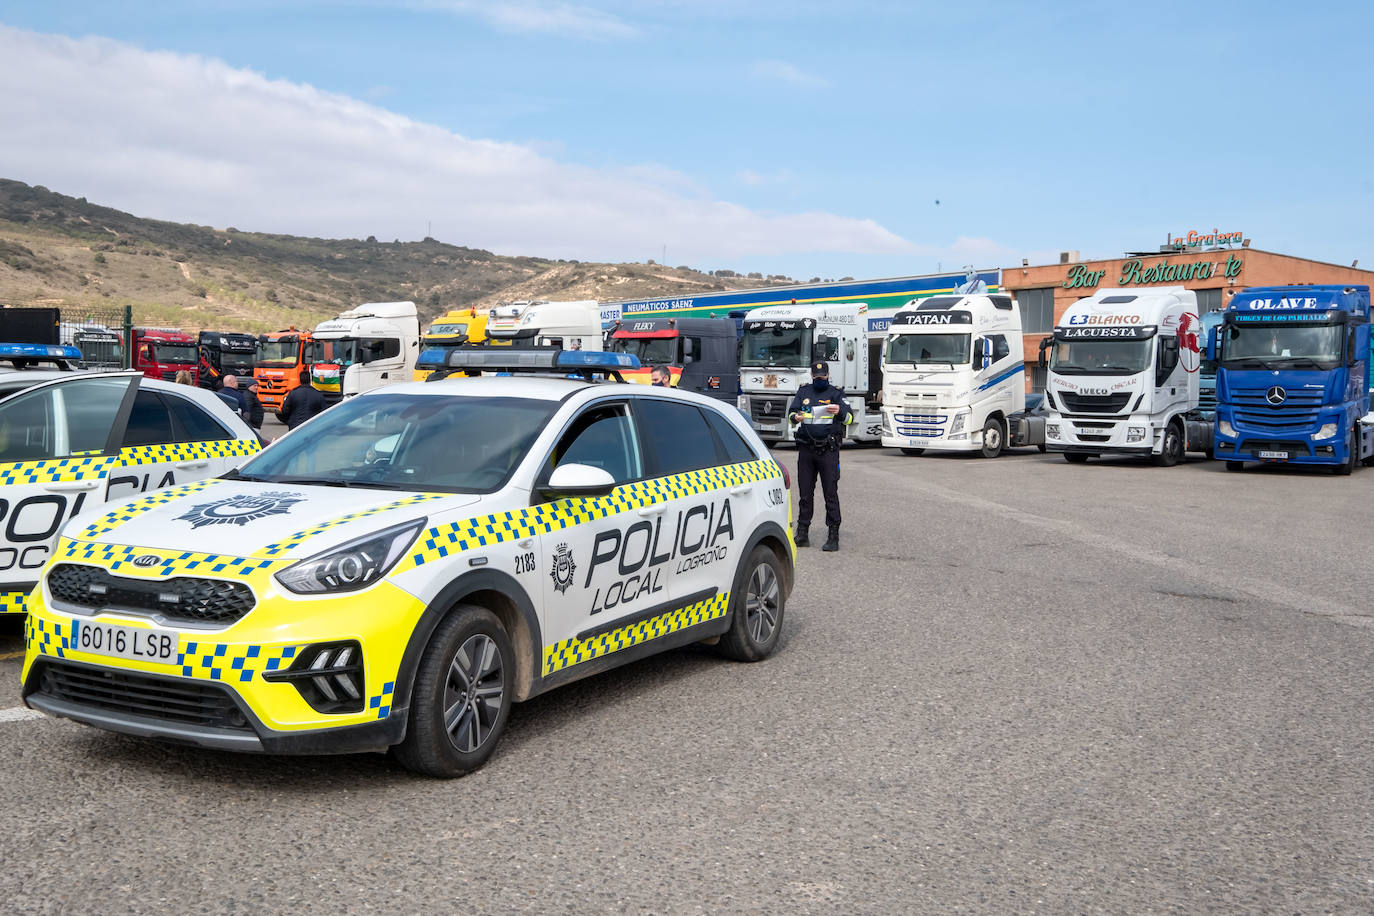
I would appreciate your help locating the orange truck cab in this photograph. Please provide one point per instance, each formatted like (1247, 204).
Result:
(163, 352)
(281, 357)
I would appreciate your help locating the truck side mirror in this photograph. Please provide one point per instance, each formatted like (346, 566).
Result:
(688, 347)
(1045, 344)
(1351, 353)
(1212, 343)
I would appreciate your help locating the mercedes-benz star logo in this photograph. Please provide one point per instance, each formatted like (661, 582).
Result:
(1276, 395)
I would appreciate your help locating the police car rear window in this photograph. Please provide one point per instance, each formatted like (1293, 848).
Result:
(736, 449)
(678, 436)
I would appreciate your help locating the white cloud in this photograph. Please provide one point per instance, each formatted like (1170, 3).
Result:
(782, 72)
(758, 179)
(191, 139)
(537, 16)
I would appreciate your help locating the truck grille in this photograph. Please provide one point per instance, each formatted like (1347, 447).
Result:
(177, 700)
(1297, 447)
(182, 598)
(1207, 400)
(1292, 399)
(169, 375)
(921, 425)
(768, 409)
(1093, 403)
(1278, 421)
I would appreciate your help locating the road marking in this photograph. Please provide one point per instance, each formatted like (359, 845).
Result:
(6, 656)
(19, 714)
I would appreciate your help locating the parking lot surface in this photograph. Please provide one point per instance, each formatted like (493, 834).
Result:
(1021, 685)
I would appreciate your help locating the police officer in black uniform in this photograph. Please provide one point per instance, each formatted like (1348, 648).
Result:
(818, 451)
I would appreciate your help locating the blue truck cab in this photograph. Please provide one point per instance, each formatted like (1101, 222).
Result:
(1293, 374)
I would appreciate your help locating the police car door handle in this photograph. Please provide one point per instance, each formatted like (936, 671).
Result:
(189, 465)
(741, 489)
(71, 486)
(653, 510)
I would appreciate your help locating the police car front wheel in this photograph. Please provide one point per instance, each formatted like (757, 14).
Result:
(462, 695)
(756, 608)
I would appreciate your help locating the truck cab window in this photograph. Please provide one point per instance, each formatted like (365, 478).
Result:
(1168, 359)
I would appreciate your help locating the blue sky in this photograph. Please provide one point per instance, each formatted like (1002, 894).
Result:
(804, 138)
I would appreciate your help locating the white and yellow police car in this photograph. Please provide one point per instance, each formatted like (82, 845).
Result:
(399, 570)
(72, 441)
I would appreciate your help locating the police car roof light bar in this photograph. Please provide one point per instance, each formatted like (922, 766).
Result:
(37, 351)
(586, 363)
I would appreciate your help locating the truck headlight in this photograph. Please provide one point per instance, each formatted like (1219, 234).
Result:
(1326, 432)
(1225, 428)
(958, 425)
(351, 566)
(1135, 434)
(742, 402)
(1051, 430)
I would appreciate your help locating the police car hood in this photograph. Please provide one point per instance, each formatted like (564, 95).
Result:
(248, 518)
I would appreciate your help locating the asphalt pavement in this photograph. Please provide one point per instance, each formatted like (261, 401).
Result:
(1021, 686)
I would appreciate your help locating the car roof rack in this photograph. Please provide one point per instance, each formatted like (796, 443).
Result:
(584, 364)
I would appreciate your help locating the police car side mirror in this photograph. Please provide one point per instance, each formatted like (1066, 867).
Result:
(577, 480)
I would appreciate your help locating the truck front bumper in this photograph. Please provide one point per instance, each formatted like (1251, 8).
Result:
(934, 429)
(1094, 435)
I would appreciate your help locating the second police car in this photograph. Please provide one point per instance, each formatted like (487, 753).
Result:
(402, 568)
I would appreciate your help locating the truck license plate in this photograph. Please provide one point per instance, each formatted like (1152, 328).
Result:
(1281, 456)
(920, 441)
(116, 641)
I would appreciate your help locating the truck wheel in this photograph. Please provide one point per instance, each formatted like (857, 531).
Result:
(1076, 457)
(913, 451)
(462, 695)
(1235, 465)
(1171, 453)
(1347, 467)
(757, 604)
(994, 437)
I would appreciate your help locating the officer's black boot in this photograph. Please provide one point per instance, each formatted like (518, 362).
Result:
(833, 542)
(802, 539)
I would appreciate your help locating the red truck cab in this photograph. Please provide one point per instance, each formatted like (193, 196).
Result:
(163, 352)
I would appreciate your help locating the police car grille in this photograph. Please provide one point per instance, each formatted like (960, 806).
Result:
(767, 408)
(182, 598)
(1093, 403)
(182, 701)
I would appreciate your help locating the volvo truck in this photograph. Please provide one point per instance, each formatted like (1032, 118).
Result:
(701, 354)
(371, 346)
(954, 377)
(1293, 377)
(1123, 377)
(779, 345)
(575, 325)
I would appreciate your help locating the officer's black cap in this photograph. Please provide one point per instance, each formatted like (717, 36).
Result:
(820, 369)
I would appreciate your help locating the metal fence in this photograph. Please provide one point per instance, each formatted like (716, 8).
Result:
(102, 334)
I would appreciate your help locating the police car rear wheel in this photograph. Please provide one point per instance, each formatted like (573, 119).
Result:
(756, 609)
(461, 699)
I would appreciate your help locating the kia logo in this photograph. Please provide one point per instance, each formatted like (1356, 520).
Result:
(146, 560)
(1276, 395)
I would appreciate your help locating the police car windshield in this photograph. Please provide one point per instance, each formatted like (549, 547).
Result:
(789, 348)
(1281, 347)
(919, 349)
(1101, 357)
(651, 350)
(412, 442)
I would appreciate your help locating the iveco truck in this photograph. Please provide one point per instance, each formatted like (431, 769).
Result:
(367, 347)
(1293, 376)
(537, 323)
(701, 354)
(779, 345)
(954, 377)
(1123, 377)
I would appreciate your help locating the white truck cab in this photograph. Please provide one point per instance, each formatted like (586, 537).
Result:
(779, 344)
(571, 325)
(1123, 375)
(954, 375)
(371, 346)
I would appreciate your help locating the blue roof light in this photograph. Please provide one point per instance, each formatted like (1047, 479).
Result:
(511, 359)
(37, 351)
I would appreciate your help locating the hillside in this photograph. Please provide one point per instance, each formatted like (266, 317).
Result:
(89, 259)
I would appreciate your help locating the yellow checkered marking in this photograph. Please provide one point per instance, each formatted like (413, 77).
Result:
(45, 636)
(186, 451)
(114, 557)
(443, 540)
(136, 508)
(13, 602)
(573, 651)
(280, 547)
(53, 470)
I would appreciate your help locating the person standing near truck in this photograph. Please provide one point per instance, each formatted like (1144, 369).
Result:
(301, 403)
(820, 412)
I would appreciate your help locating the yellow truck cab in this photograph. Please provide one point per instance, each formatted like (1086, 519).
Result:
(454, 328)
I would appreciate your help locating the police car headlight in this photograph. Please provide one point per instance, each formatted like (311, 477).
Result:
(958, 424)
(1326, 432)
(351, 566)
(1225, 428)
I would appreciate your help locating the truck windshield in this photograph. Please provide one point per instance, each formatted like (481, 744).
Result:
(100, 349)
(230, 360)
(175, 353)
(446, 330)
(789, 348)
(280, 352)
(921, 349)
(1101, 357)
(408, 442)
(340, 350)
(652, 351)
(1282, 346)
